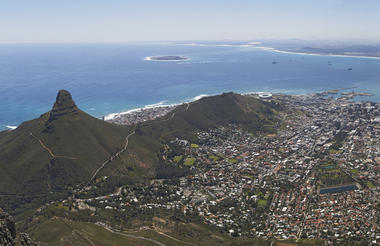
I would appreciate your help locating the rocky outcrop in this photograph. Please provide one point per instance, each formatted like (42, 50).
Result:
(63, 105)
(8, 235)
(23, 239)
(7, 230)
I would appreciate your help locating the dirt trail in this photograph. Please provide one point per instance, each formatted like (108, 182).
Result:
(50, 151)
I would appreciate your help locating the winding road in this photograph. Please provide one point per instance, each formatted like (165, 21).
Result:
(124, 149)
(109, 160)
(108, 228)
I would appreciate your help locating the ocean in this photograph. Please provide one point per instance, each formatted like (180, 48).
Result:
(109, 78)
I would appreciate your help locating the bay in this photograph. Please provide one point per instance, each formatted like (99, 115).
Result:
(108, 78)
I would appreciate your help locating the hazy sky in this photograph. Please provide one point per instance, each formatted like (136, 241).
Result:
(150, 20)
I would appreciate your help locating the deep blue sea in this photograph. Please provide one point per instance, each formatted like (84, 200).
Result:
(104, 79)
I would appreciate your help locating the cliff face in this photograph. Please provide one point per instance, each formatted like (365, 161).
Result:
(8, 235)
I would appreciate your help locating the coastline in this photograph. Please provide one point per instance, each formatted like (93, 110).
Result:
(112, 117)
(112, 113)
(266, 48)
(11, 128)
(161, 104)
(312, 54)
(7, 128)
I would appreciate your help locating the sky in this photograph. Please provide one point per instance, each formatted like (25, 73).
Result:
(110, 21)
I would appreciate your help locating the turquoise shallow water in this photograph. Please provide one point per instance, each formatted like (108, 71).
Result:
(112, 78)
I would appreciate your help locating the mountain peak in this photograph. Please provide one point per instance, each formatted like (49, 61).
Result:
(63, 105)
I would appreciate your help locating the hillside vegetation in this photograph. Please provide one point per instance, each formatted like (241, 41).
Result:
(250, 113)
(57, 153)
(58, 231)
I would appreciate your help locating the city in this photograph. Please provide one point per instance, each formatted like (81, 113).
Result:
(316, 178)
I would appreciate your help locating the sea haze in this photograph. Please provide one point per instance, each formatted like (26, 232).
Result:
(104, 79)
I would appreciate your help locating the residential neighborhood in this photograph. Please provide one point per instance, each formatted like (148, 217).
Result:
(316, 177)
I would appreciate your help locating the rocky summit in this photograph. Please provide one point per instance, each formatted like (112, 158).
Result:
(63, 105)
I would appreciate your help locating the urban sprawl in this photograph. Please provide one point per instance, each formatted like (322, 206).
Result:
(317, 177)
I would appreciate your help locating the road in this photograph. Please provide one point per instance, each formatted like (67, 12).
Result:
(109, 160)
(170, 118)
(108, 228)
(173, 238)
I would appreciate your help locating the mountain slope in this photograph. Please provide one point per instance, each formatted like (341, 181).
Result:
(61, 148)
(250, 113)
(208, 112)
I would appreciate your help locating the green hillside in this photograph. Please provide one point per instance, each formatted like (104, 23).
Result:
(58, 231)
(209, 112)
(252, 114)
(60, 151)
(62, 148)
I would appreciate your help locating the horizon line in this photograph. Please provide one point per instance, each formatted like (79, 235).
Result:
(196, 40)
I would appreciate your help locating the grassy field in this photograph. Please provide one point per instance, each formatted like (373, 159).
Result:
(63, 232)
(189, 161)
(57, 231)
(262, 203)
(177, 158)
(330, 175)
(301, 242)
(370, 185)
(213, 157)
(333, 151)
(355, 171)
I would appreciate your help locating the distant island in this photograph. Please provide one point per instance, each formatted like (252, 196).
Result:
(166, 58)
